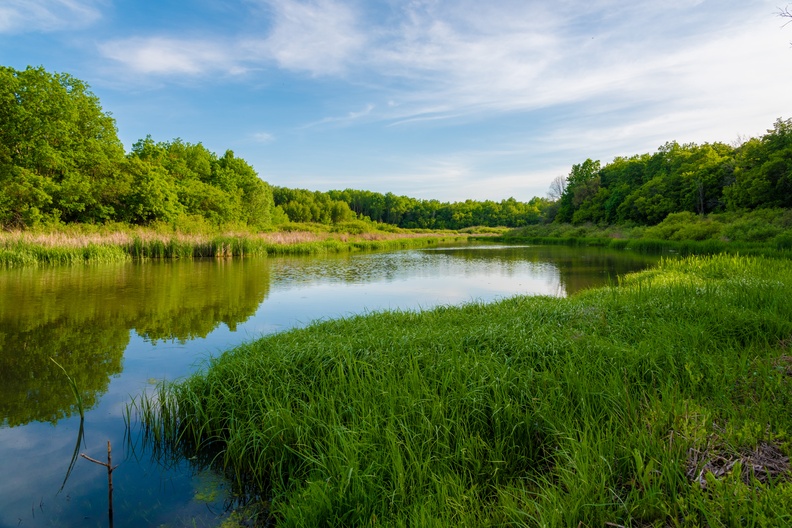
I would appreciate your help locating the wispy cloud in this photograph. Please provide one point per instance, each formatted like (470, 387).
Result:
(521, 56)
(18, 16)
(348, 118)
(263, 137)
(318, 37)
(168, 56)
(314, 36)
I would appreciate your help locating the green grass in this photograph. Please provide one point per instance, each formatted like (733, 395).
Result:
(765, 232)
(657, 246)
(21, 254)
(531, 411)
(24, 253)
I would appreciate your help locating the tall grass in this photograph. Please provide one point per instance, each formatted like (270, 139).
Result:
(531, 411)
(25, 249)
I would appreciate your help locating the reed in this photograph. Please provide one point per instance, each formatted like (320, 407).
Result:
(25, 249)
(589, 411)
(74, 389)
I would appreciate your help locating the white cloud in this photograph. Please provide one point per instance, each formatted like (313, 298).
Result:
(317, 36)
(167, 56)
(616, 76)
(20, 16)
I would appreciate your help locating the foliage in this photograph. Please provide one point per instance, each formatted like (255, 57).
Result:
(178, 178)
(61, 162)
(59, 152)
(690, 178)
(412, 213)
(760, 228)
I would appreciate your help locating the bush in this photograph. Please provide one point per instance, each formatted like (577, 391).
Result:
(751, 230)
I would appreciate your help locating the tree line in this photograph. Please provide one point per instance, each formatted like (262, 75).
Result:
(700, 179)
(402, 211)
(61, 162)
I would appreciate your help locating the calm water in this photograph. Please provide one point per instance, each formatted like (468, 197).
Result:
(119, 329)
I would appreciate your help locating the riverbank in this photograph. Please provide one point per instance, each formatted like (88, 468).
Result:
(662, 400)
(103, 245)
(761, 232)
(652, 246)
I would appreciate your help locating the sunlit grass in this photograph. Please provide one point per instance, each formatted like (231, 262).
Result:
(21, 248)
(531, 411)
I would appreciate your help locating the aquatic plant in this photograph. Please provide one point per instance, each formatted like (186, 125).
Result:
(74, 389)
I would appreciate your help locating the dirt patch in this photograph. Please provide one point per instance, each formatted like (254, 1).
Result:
(764, 463)
(784, 363)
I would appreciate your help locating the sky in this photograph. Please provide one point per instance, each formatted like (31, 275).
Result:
(432, 99)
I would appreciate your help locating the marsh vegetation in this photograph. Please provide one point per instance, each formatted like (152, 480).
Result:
(612, 406)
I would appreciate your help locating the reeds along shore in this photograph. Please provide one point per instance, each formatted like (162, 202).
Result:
(33, 250)
(661, 401)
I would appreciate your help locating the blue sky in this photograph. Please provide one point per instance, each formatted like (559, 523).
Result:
(445, 99)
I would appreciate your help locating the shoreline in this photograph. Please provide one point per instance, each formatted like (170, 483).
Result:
(24, 249)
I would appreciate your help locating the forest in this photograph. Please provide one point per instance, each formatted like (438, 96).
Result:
(61, 162)
(710, 178)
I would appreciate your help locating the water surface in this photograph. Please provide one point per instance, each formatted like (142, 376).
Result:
(119, 329)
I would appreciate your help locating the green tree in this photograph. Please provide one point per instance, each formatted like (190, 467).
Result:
(763, 171)
(582, 182)
(59, 151)
(153, 196)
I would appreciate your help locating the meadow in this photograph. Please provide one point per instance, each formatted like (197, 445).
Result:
(662, 400)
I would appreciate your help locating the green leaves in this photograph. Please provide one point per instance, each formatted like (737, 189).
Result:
(61, 161)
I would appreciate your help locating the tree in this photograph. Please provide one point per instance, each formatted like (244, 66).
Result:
(763, 171)
(785, 13)
(583, 181)
(59, 151)
(153, 196)
(557, 188)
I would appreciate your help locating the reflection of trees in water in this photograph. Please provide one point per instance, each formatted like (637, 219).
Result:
(576, 268)
(32, 388)
(192, 299)
(82, 318)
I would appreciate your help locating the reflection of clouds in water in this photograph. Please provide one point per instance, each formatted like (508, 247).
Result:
(407, 265)
(35, 460)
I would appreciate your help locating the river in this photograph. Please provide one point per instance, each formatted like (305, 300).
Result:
(118, 330)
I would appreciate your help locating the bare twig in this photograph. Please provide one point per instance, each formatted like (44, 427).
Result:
(110, 468)
(785, 13)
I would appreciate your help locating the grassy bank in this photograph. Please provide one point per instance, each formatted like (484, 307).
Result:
(654, 246)
(761, 232)
(90, 246)
(663, 401)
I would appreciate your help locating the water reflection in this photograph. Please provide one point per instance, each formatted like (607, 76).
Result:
(82, 318)
(116, 329)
